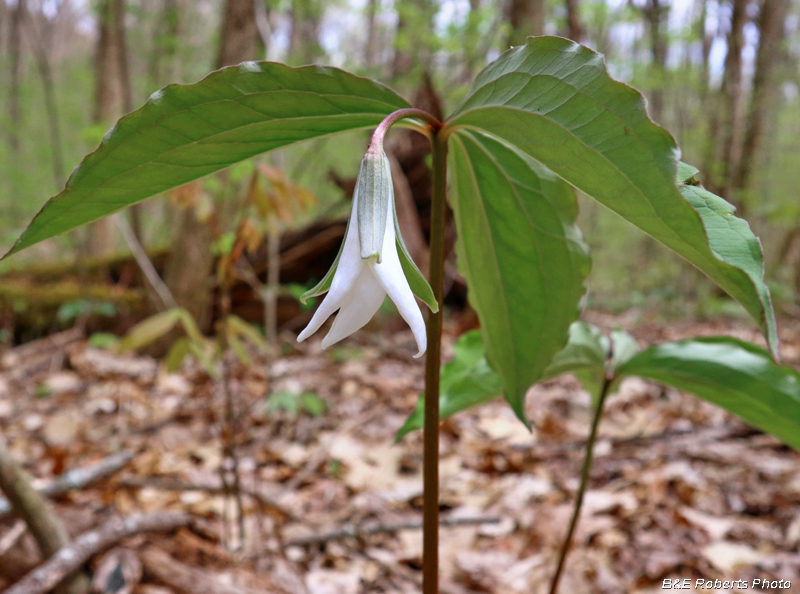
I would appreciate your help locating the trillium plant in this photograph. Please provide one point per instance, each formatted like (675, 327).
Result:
(542, 120)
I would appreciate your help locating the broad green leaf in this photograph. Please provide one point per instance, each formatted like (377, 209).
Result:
(177, 353)
(185, 132)
(740, 377)
(522, 255)
(468, 381)
(554, 100)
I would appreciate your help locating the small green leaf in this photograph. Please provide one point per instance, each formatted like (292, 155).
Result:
(177, 353)
(623, 348)
(738, 376)
(148, 331)
(587, 349)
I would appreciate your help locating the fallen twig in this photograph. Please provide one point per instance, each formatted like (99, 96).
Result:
(171, 484)
(77, 478)
(361, 530)
(43, 523)
(183, 578)
(73, 555)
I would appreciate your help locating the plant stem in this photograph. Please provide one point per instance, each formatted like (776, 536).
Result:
(376, 144)
(430, 520)
(587, 467)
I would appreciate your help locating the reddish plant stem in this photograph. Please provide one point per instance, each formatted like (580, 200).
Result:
(430, 520)
(376, 144)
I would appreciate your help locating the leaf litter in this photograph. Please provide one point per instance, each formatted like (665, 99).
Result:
(679, 489)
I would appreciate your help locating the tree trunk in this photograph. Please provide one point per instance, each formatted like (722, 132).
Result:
(724, 106)
(15, 55)
(771, 34)
(188, 269)
(656, 13)
(371, 47)
(412, 41)
(526, 17)
(574, 31)
(165, 42)
(304, 47)
(732, 94)
(239, 39)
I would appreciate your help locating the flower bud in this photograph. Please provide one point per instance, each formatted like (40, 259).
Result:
(374, 194)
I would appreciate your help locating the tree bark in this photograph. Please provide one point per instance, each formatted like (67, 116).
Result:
(732, 94)
(304, 47)
(526, 17)
(413, 34)
(656, 13)
(44, 525)
(15, 55)
(574, 31)
(239, 38)
(771, 35)
(165, 42)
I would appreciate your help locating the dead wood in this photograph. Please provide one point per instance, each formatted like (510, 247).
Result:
(183, 578)
(43, 523)
(73, 555)
(360, 531)
(77, 478)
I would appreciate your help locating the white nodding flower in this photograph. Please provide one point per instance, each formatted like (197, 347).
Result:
(373, 262)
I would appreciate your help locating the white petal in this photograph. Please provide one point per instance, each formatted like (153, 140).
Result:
(350, 265)
(358, 307)
(391, 276)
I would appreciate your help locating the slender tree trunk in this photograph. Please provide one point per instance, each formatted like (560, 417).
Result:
(304, 47)
(191, 262)
(371, 47)
(771, 35)
(656, 13)
(412, 41)
(706, 40)
(724, 106)
(526, 17)
(732, 96)
(574, 31)
(162, 60)
(41, 54)
(240, 38)
(15, 55)
(112, 96)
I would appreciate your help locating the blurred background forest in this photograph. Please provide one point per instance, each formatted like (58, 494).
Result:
(721, 75)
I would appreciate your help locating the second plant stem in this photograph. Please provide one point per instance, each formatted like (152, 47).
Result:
(430, 520)
(585, 472)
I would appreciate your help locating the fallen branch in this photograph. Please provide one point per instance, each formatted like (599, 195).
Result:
(359, 531)
(183, 578)
(170, 484)
(77, 478)
(43, 523)
(73, 555)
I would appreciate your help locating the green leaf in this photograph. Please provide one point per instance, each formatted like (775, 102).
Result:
(586, 349)
(522, 255)
(554, 100)
(623, 348)
(738, 376)
(468, 381)
(148, 331)
(177, 353)
(185, 132)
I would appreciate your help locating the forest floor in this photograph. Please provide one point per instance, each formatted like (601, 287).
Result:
(679, 488)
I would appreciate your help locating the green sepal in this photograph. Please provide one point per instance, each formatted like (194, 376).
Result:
(373, 195)
(416, 280)
(322, 286)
